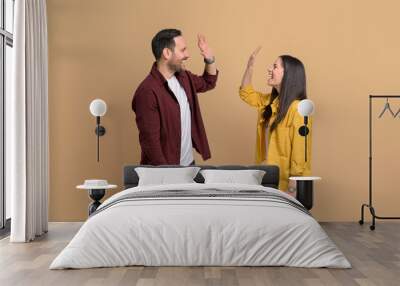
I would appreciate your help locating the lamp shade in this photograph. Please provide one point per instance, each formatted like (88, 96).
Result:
(305, 107)
(98, 107)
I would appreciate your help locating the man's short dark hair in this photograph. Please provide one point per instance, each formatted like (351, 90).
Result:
(164, 39)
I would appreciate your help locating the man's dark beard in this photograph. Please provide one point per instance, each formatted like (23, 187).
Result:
(174, 67)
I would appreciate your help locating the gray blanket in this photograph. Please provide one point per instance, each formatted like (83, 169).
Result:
(205, 194)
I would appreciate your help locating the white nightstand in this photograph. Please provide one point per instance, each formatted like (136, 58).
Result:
(304, 190)
(97, 190)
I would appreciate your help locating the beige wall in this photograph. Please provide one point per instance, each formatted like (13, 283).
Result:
(101, 49)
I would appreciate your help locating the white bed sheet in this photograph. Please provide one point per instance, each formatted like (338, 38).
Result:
(200, 231)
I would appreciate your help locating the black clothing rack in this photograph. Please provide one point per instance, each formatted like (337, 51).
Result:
(370, 205)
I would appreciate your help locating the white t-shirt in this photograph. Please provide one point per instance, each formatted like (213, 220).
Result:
(186, 129)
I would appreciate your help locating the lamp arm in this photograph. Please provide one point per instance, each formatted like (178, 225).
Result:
(305, 137)
(303, 131)
(305, 148)
(98, 137)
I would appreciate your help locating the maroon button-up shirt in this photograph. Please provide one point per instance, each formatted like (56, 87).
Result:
(158, 116)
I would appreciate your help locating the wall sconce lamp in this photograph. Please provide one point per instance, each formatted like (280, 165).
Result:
(98, 108)
(305, 108)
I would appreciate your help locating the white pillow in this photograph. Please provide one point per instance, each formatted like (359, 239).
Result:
(248, 177)
(163, 176)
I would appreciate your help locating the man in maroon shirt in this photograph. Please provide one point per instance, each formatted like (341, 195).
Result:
(166, 105)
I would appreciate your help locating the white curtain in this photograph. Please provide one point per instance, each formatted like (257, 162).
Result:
(27, 123)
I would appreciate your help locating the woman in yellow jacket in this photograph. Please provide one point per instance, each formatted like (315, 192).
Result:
(278, 139)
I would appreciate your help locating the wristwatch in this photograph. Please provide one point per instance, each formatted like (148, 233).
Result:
(209, 61)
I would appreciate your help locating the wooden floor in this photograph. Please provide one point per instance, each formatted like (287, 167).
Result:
(375, 256)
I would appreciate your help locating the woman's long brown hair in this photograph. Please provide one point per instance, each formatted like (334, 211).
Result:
(293, 87)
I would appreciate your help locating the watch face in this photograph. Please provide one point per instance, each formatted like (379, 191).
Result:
(209, 61)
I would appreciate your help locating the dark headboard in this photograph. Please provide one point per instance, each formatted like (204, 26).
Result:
(270, 179)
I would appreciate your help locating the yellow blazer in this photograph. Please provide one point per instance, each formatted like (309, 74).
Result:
(285, 144)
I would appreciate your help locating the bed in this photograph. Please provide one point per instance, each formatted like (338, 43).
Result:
(201, 224)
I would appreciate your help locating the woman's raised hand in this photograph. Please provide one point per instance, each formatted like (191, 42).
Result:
(252, 57)
(248, 73)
